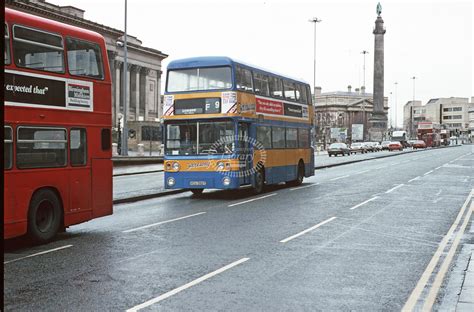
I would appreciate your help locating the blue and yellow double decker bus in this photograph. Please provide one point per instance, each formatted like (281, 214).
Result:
(228, 124)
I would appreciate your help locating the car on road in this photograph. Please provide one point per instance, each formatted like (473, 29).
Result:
(419, 144)
(410, 143)
(358, 147)
(338, 148)
(370, 147)
(394, 145)
(385, 145)
(377, 146)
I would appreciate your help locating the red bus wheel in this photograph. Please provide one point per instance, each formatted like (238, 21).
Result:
(44, 216)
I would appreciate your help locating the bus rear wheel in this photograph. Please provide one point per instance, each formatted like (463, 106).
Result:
(259, 181)
(44, 216)
(299, 175)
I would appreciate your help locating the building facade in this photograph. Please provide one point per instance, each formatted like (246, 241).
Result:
(343, 109)
(143, 69)
(452, 113)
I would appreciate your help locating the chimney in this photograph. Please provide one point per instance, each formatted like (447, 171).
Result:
(357, 90)
(349, 88)
(362, 89)
(317, 91)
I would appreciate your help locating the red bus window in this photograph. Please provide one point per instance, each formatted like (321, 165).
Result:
(105, 139)
(7, 58)
(78, 147)
(84, 58)
(39, 147)
(37, 49)
(7, 147)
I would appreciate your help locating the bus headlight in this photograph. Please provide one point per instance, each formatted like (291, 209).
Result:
(226, 181)
(171, 181)
(220, 166)
(176, 166)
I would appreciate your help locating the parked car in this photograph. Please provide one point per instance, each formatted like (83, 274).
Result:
(358, 147)
(377, 146)
(410, 143)
(369, 146)
(385, 145)
(419, 144)
(338, 148)
(395, 146)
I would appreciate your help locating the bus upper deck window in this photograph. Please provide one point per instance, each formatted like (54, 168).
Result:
(37, 49)
(6, 58)
(84, 58)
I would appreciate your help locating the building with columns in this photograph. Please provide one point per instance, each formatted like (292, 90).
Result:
(143, 70)
(342, 109)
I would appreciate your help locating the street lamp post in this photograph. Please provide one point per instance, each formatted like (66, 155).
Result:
(314, 20)
(124, 149)
(364, 52)
(413, 105)
(396, 84)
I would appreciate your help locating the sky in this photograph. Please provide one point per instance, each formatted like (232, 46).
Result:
(429, 40)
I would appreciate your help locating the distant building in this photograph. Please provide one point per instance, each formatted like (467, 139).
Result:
(455, 114)
(342, 109)
(143, 70)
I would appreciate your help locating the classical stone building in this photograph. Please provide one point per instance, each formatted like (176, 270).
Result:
(143, 70)
(342, 109)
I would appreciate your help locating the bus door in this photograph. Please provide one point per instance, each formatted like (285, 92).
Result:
(245, 152)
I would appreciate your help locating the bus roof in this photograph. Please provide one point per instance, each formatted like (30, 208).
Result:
(34, 21)
(214, 61)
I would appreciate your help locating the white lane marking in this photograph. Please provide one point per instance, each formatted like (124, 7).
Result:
(437, 168)
(334, 179)
(163, 222)
(365, 202)
(186, 286)
(428, 172)
(395, 163)
(394, 188)
(411, 180)
(251, 200)
(38, 253)
(420, 286)
(306, 231)
(435, 287)
(304, 186)
(364, 171)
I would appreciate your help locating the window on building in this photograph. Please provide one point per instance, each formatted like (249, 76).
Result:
(37, 49)
(41, 147)
(276, 88)
(151, 133)
(7, 58)
(7, 147)
(78, 147)
(243, 79)
(290, 92)
(291, 138)
(457, 117)
(447, 109)
(457, 109)
(261, 84)
(84, 58)
(278, 137)
(264, 136)
(447, 117)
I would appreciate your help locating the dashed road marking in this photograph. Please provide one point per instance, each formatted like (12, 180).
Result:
(394, 188)
(365, 202)
(38, 253)
(428, 172)
(186, 286)
(162, 222)
(306, 231)
(304, 186)
(414, 179)
(251, 200)
(334, 179)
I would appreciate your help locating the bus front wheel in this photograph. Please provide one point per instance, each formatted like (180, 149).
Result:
(44, 216)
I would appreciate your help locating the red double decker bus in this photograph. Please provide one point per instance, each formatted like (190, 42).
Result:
(57, 132)
(430, 133)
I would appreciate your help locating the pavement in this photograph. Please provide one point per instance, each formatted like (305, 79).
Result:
(354, 237)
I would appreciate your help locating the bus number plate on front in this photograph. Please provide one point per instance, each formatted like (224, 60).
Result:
(195, 183)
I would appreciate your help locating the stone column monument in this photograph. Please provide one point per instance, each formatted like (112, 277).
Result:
(378, 121)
